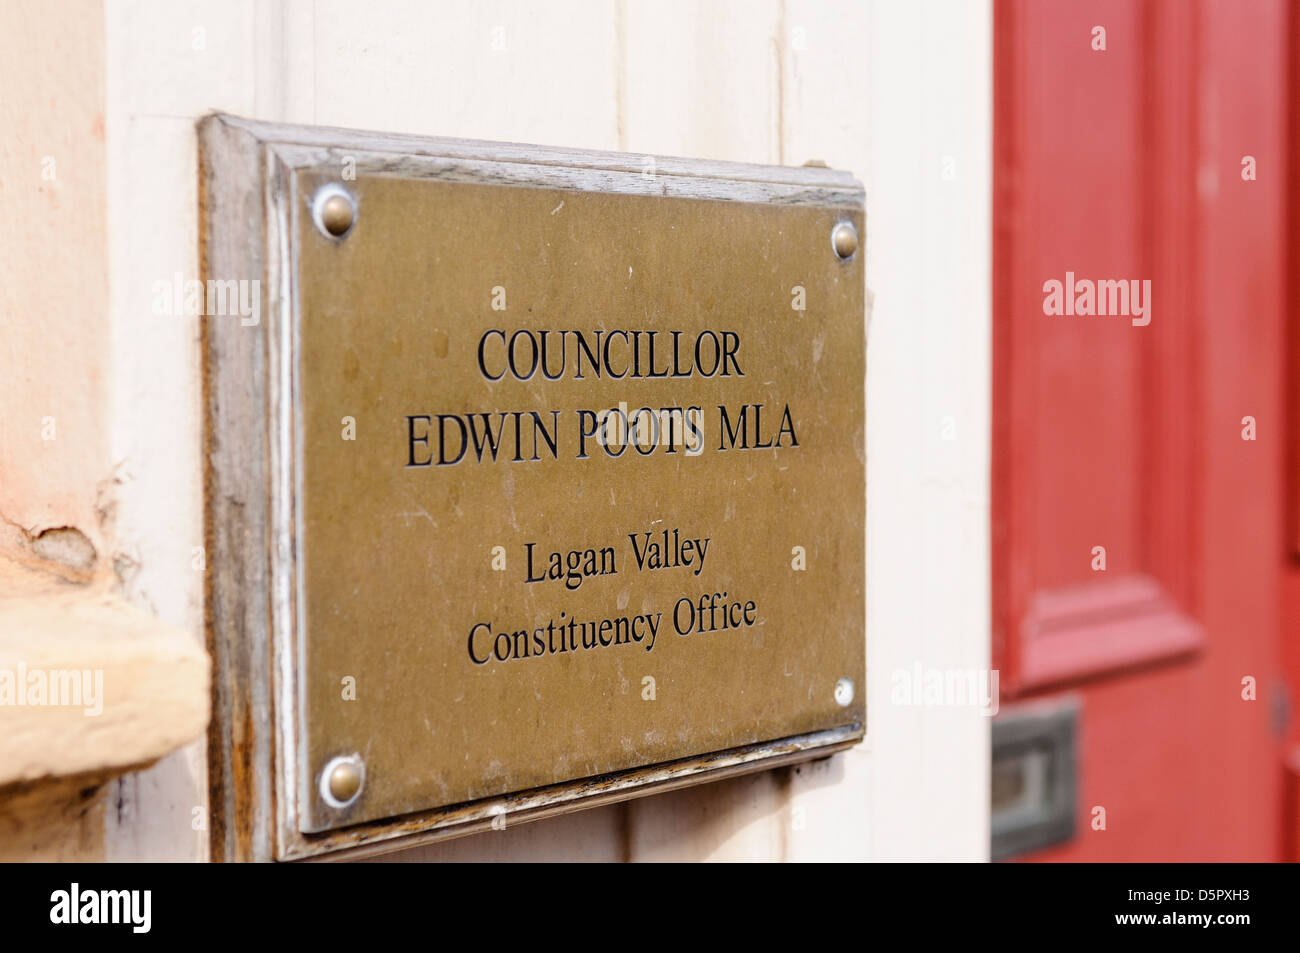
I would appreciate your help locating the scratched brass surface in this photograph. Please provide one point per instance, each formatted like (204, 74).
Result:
(396, 561)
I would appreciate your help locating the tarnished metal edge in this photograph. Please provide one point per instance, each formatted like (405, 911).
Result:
(233, 210)
(539, 803)
(285, 411)
(336, 139)
(489, 170)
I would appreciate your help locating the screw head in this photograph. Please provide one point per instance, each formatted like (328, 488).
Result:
(341, 781)
(334, 211)
(844, 239)
(844, 692)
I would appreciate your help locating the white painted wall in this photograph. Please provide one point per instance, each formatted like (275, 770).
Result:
(885, 89)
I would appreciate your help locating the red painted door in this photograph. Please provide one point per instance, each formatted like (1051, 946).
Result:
(1141, 540)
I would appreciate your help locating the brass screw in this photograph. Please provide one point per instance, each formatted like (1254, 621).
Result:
(844, 239)
(334, 211)
(341, 780)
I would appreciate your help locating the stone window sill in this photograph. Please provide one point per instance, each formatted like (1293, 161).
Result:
(90, 685)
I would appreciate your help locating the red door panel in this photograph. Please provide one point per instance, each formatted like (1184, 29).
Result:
(1120, 436)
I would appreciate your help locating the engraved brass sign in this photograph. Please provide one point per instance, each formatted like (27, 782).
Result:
(575, 475)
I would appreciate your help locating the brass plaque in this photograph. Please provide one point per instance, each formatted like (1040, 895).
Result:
(499, 585)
